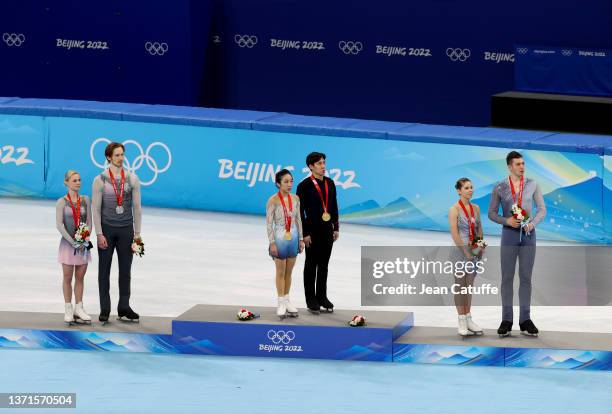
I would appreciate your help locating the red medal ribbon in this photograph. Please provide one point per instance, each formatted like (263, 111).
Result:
(76, 211)
(287, 216)
(119, 196)
(472, 225)
(520, 197)
(316, 184)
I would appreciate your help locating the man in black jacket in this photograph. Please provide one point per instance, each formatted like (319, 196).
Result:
(319, 212)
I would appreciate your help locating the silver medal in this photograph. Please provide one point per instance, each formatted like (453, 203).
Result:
(119, 209)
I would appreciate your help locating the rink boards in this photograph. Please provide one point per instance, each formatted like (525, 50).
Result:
(388, 336)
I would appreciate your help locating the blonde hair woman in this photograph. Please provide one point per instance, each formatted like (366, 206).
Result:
(71, 210)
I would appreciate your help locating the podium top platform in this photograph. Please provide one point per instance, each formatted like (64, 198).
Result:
(546, 340)
(55, 322)
(339, 318)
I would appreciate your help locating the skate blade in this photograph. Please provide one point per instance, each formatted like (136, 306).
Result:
(127, 320)
(477, 333)
(282, 317)
(79, 321)
(292, 315)
(525, 333)
(314, 312)
(327, 310)
(504, 335)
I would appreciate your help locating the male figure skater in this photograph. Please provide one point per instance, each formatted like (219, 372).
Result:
(117, 218)
(518, 241)
(319, 213)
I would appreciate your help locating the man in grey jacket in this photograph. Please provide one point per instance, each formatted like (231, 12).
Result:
(518, 240)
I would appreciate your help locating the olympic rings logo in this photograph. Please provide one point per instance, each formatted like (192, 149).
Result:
(13, 39)
(350, 47)
(245, 40)
(156, 49)
(458, 54)
(567, 52)
(137, 163)
(522, 50)
(281, 336)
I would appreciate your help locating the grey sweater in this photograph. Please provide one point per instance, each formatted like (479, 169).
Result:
(502, 194)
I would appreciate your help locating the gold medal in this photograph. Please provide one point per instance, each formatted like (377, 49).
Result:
(326, 216)
(287, 235)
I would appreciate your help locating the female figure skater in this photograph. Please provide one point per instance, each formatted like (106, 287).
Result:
(70, 211)
(465, 225)
(284, 227)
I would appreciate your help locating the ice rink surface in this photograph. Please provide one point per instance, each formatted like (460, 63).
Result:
(218, 258)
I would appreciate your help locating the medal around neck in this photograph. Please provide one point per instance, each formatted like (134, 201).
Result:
(119, 210)
(326, 216)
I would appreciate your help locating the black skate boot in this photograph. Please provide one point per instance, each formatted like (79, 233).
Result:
(103, 317)
(313, 307)
(504, 329)
(326, 305)
(528, 328)
(128, 314)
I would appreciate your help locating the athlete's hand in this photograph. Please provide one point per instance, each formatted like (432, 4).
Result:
(307, 241)
(273, 250)
(301, 246)
(336, 235)
(102, 243)
(512, 222)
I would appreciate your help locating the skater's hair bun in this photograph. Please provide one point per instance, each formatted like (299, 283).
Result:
(69, 174)
(280, 175)
(461, 181)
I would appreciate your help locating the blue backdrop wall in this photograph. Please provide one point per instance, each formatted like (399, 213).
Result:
(437, 61)
(111, 50)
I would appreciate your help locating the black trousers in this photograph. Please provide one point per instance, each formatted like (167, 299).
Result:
(315, 268)
(120, 239)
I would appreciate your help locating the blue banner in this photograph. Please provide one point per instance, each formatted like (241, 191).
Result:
(380, 182)
(567, 70)
(22, 155)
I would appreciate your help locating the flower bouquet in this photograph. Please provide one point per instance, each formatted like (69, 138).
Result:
(522, 216)
(138, 246)
(478, 245)
(245, 315)
(357, 320)
(81, 237)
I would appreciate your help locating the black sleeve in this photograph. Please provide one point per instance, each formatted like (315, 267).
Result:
(333, 205)
(305, 221)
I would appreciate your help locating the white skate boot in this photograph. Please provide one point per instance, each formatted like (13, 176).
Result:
(291, 310)
(472, 326)
(68, 314)
(80, 315)
(463, 330)
(281, 311)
